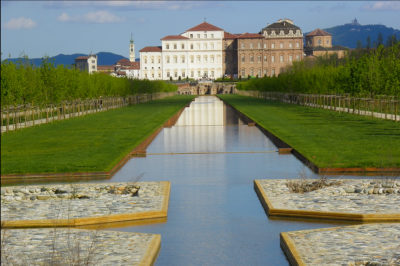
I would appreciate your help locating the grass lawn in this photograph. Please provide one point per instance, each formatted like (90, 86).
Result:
(92, 143)
(326, 138)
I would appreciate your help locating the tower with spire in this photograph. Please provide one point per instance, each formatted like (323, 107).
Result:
(131, 50)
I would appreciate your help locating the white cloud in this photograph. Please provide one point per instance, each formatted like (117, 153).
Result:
(91, 17)
(20, 23)
(383, 6)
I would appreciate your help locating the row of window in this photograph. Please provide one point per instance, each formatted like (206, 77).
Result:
(281, 45)
(204, 46)
(205, 36)
(272, 59)
(204, 73)
(253, 72)
(182, 59)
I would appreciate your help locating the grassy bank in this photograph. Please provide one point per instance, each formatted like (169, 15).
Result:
(326, 138)
(91, 143)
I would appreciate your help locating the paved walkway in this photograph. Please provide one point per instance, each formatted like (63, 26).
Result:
(368, 244)
(76, 247)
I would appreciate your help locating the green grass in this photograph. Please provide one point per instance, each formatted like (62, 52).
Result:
(92, 143)
(326, 138)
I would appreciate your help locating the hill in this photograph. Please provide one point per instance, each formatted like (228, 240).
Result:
(348, 34)
(104, 58)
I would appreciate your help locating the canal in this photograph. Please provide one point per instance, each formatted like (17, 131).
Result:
(215, 218)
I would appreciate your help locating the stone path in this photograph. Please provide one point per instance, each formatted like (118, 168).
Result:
(76, 247)
(69, 201)
(361, 196)
(367, 244)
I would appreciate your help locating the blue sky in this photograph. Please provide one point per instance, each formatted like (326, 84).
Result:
(39, 28)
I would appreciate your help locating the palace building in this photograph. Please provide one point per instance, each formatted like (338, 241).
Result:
(207, 51)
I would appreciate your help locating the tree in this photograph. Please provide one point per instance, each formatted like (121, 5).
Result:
(368, 42)
(391, 40)
(379, 40)
(359, 44)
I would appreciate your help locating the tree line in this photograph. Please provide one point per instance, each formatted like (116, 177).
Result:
(23, 83)
(362, 73)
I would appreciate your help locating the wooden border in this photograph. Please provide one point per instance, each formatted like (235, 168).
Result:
(286, 148)
(12, 179)
(360, 217)
(290, 250)
(107, 219)
(152, 252)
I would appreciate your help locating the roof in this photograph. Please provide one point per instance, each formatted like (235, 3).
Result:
(319, 32)
(105, 68)
(151, 49)
(205, 27)
(250, 36)
(82, 58)
(283, 24)
(174, 37)
(134, 65)
(228, 35)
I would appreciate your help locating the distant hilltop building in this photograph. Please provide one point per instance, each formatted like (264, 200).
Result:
(207, 51)
(87, 63)
(319, 43)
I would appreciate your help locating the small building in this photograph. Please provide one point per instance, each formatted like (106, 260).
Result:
(105, 69)
(319, 43)
(128, 68)
(151, 63)
(86, 63)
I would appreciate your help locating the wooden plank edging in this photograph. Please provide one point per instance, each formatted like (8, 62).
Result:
(359, 217)
(290, 250)
(152, 252)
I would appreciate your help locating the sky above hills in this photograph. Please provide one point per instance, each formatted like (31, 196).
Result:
(40, 28)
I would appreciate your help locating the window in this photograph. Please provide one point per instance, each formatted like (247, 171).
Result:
(175, 74)
(198, 59)
(182, 46)
(175, 59)
(183, 59)
(159, 59)
(152, 60)
(290, 58)
(175, 46)
(243, 58)
(145, 60)
(205, 45)
(199, 73)
(259, 58)
(168, 74)
(212, 45)
(265, 58)
(205, 58)
(167, 46)
(319, 41)
(265, 72)
(251, 58)
(290, 45)
(259, 72)
(93, 61)
(281, 45)
(167, 59)
(205, 36)
(183, 74)
(192, 74)
(251, 46)
(273, 58)
(297, 57)
(327, 41)
(265, 46)
(198, 46)
(273, 72)
(191, 35)
(198, 36)
(191, 46)
(152, 75)
(242, 46)
(272, 45)
(281, 58)
(297, 45)
(191, 59)
(212, 59)
(159, 75)
(212, 35)
(259, 45)
(93, 67)
(205, 73)
(243, 72)
(251, 72)
(145, 75)
(212, 73)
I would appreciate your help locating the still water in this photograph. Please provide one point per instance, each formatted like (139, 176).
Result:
(215, 218)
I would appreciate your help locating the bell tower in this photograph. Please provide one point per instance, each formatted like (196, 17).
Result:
(131, 50)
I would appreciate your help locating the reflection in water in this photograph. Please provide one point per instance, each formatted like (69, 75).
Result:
(215, 217)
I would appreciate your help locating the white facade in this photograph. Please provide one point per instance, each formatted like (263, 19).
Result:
(151, 63)
(194, 54)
